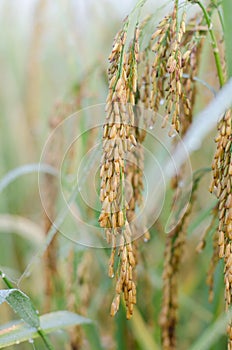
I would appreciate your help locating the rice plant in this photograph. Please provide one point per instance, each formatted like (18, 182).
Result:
(116, 182)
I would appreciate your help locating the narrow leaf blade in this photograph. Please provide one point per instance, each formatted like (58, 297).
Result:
(18, 332)
(21, 304)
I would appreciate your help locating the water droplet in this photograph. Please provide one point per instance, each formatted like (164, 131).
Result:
(3, 275)
(37, 311)
(145, 240)
(112, 276)
(162, 101)
(31, 341)
(17, 342)
(181, 184)
(151, 127)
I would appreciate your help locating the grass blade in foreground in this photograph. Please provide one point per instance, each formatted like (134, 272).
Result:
(141, 333)
(21, 304)
(18, 332)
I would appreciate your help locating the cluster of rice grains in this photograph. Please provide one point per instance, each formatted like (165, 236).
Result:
(222, 185)
(171, 60)
(120, 166)
(122, 160)
(173, 70)
(159, 77)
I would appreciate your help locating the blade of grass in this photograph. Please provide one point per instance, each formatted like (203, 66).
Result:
(26, 169)
(201, 217)
(22, 226)
(92, 334)
(50, 235)
(17, 332)
(141, 333)
(121, 326)
(212, 333)
(202, 124)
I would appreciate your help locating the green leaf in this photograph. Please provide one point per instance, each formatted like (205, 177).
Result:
(204, 214)
(93, 336)
(26, 169)
(21, 304)
(212, 333)
(141, 333)
(18, 332)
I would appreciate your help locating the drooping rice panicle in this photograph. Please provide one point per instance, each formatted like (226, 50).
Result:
(222, 186)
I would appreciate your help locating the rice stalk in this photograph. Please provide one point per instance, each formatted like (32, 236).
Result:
(51, 185)
(176, 53)
(122, 163)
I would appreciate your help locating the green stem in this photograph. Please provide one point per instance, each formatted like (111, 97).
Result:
(227, 8)
(5, 279)
(221, 19)
(45, 339)
(214, 45)
(216, 5)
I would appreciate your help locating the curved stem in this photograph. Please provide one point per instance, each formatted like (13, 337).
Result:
(45, 339)
(214, 45)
